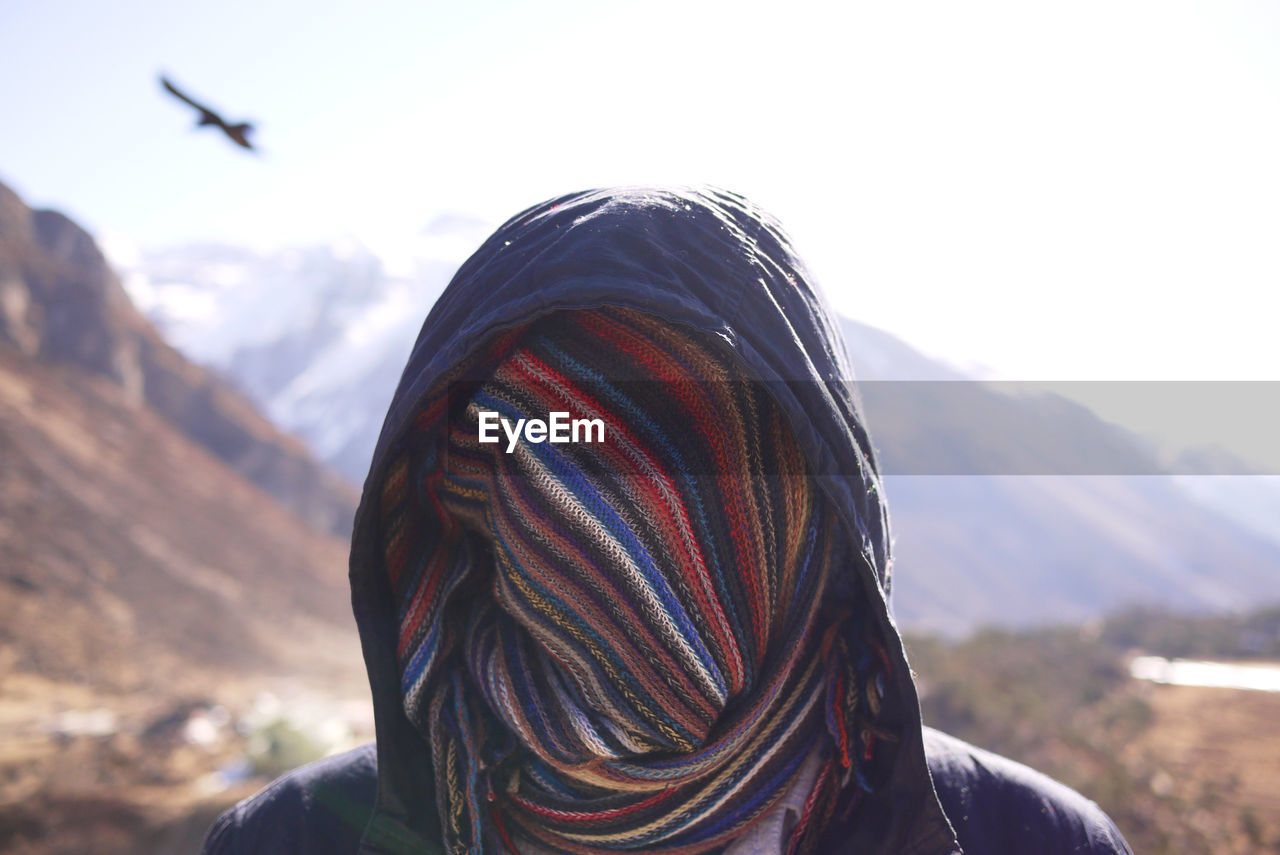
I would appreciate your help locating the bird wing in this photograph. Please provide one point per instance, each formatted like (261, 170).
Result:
(177, 93)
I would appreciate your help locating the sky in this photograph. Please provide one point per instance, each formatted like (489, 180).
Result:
(1067, 191)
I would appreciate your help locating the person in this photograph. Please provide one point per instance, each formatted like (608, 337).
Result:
(621, 573)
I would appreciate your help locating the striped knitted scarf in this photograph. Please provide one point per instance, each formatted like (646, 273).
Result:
(621, 645)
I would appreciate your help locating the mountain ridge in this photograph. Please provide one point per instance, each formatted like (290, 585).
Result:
(60, 302)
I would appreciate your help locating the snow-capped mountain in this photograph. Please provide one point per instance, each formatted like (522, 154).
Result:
(316, 336)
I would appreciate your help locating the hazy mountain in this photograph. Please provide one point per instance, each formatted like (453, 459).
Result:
(317, 337)
(1043, 547)
(1251, 500)
(320, 337)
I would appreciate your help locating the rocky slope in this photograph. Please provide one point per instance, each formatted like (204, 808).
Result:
(60, 303)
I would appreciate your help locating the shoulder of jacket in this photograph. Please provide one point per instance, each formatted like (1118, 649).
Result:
(321, 807)
(998, 805)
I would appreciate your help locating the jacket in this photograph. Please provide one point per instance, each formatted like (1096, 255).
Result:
(711, 260)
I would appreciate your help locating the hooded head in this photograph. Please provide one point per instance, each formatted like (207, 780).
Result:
(670, 639)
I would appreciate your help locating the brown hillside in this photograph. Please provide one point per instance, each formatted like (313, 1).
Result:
(143, 583)
(61, 303)
(173, 592)
(132, 559)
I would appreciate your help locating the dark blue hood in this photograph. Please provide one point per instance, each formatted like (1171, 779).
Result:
(703, 258)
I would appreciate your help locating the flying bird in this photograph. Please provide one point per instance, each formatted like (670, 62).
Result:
(239, 133)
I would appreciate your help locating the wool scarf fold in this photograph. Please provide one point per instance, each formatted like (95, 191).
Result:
(622, 645)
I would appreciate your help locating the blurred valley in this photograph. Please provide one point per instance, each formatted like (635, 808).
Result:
(181, 447)
(1182, 769)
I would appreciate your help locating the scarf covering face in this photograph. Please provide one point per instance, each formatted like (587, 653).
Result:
(621, 645)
